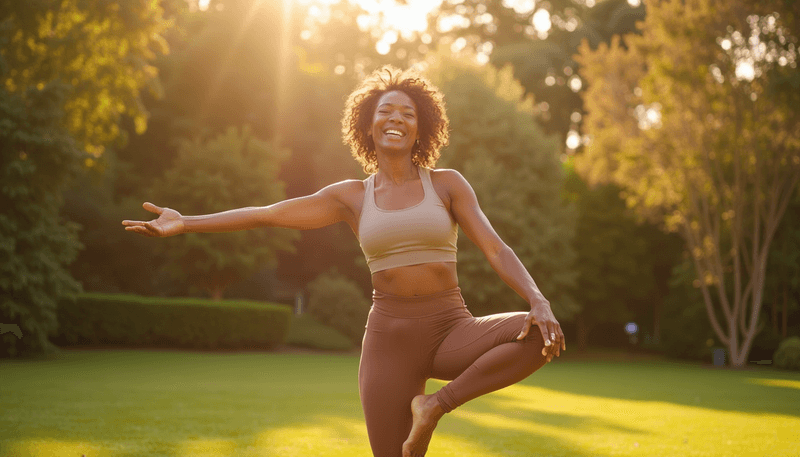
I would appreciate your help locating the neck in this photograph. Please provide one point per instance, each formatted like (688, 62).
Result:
(398, 170)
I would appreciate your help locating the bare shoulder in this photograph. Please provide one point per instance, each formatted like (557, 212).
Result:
(349, 192)
(451, 181)
(346, 189)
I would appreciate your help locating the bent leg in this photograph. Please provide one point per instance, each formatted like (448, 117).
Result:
(482, 355)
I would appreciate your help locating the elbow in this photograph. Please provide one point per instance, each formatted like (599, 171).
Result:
(496, 250)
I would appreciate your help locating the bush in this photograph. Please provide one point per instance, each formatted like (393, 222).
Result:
(307, 332)
(788, 354)
(129, 320)
(765, 344)
(338, 302)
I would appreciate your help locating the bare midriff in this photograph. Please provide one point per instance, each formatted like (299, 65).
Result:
(411, 280)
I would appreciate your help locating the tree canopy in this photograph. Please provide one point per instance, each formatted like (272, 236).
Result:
(510, 162)
(684, 119)
(231, 170)
(102, 49)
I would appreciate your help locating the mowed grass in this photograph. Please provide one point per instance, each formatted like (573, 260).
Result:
(161, 403)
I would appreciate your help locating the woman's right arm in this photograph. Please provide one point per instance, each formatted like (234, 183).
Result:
(321, 209)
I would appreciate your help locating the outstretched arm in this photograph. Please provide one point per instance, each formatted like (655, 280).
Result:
(468, 214)
(323, 208)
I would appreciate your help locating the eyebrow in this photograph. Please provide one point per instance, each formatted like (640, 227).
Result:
(392, 104)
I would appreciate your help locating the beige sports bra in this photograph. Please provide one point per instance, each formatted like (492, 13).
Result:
(422, 233)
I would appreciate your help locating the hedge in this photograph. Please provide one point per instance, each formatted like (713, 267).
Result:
(307, 332)
(788, 354)
(130, 320)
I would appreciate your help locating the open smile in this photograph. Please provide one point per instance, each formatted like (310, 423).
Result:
(394, 133)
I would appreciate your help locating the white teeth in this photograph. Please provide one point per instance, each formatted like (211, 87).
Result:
(393, 132)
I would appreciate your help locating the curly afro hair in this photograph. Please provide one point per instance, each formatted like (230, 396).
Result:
(360, 109)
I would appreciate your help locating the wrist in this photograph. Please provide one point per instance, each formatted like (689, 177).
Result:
(538, 302)
(184, 225)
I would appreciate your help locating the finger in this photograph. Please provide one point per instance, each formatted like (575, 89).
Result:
(545, 338)
(152, 208)
(526, 326)
(551, 337)
(127, 222)
(556, 334)
(545, 335)
(138, 229)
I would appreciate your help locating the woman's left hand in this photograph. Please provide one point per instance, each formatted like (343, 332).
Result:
(553, 337)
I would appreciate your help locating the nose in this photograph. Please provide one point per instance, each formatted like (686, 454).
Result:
(396, 116)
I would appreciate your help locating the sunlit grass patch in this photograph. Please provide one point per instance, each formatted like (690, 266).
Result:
(555, 422)
(179, 404)
(776, 382)
(42, 447)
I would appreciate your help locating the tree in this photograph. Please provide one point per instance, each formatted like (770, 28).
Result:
(539, 40)
(70, 70)
(782, 284)
(319, 159)
(687, 121)
(37, 159)
(233, 169)
(516, 174)
(101, 48)
(623, 264)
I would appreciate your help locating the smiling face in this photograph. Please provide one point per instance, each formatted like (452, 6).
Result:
(394, 124)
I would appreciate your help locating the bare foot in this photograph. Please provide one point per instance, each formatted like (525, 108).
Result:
(426, 412)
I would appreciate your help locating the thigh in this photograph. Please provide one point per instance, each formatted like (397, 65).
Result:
(390, 375)
(473, 337)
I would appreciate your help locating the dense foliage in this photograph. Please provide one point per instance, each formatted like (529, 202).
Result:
(623, 265)
(518, 180)
(788, 354)
(102, 48)
(37, 158)
(231, 170)
(686, 120)
(70, 70)
(242, 103)
(338, 303)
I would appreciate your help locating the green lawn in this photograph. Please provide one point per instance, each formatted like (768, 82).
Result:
(143, 403)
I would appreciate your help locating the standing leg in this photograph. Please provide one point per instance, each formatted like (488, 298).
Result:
(390, 375)
(482, 355)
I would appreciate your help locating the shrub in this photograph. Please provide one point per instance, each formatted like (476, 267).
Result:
(129, 320)
(338, 302)
(765, 344)
(788, 354)
(305, 331)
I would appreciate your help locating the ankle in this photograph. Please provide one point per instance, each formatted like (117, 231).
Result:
(435, 406)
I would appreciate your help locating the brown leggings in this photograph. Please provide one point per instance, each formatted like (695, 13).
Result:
(411, 339)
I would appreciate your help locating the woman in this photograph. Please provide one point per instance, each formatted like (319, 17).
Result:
(406, 217)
